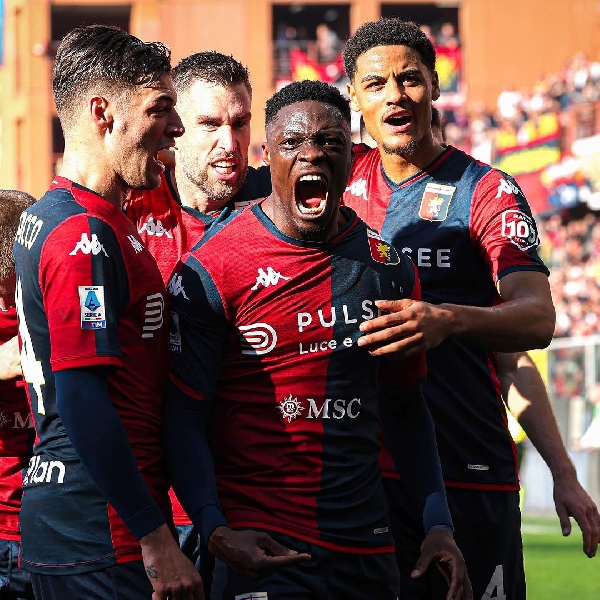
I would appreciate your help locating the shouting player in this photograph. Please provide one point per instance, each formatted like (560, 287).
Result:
(265, 359)
(471, 234)
(95, 516)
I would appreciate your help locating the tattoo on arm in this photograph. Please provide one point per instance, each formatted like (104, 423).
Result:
(151, 572)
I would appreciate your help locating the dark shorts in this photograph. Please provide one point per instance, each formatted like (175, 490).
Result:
(487, 528)
(330, 574)
(15, 583)
(127, 581)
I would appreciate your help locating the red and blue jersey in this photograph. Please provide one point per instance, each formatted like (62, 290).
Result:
(465, 225)
(15, 447)
(169, 229)
(88, 294)
(268, 324)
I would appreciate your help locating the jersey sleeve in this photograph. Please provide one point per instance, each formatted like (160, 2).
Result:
(85, 287)
(503, 227)
(198, 329)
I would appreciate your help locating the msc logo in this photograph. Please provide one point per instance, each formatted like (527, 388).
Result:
(267, 278)
(257, 339)
(29, 229)
(358, 188)
(175, 287)
(291, 408)
(520, 229)
(40, 471)
(88, 246)
(154, 315)
(152, 227)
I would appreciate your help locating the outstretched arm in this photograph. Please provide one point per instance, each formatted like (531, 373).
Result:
(527, 398)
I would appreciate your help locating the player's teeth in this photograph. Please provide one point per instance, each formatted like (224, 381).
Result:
(311, 178)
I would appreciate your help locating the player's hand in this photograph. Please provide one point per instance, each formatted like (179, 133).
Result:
(571, 500)
(171, 573)
(10, 360)
(407, 328)
(251, 553)
(440, 548)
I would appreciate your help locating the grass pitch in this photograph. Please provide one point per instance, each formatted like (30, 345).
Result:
(556, 567)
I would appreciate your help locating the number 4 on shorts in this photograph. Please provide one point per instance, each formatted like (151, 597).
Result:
(495, 588)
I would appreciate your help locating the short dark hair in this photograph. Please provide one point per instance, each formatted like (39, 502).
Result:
(299, 91)
(210, 66)
(106, 57)
(12, 204)
(387, 32)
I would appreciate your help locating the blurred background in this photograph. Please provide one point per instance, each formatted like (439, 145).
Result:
(520, 90)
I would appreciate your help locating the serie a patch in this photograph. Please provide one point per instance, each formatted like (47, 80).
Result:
(436, 201)
(91, 303)
(381, 251)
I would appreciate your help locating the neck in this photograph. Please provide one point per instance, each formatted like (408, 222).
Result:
(193, 197)
(398, 168)
(83, 169)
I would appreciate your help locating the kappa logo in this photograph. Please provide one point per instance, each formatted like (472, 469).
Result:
(436, 201)
(135, 244)
(267, 278)
(358, 188)
(152, 227)
(257, 339)
(507, 187)
(175, 286)
(88, 246)
(154, 315)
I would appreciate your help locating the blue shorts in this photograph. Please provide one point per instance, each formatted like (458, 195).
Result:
(330, 574)
(487, 529)
(127, 581)
(15, 583)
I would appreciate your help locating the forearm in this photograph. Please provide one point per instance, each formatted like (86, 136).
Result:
(527, 399)
(515, 325)
(190, 460)
(409, 434)
(97, 435)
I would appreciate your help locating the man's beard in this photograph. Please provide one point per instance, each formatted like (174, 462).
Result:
(407, 151)
(216, 189)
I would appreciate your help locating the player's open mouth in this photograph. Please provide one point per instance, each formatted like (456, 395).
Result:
(311, 194)
(224, 167)
(398, 121)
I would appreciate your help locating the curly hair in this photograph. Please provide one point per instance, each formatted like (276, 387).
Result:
(12, 204)
(210, 66)
(387, 32)
(104, 58)
(299, 91)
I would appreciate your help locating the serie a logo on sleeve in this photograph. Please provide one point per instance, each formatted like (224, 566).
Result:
(91, 302)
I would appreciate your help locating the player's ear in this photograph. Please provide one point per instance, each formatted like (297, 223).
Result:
(101, 112)
(265, 153)
(435, 86)
(352, 95)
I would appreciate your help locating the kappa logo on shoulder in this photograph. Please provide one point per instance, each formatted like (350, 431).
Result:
(267, 278)
(135, 244)
(175, 286)
(89, 246)
(358, 188)
(152, 227)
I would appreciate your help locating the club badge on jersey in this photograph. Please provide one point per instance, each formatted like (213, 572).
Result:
(381, 251)
(436, 201)
(91, 302)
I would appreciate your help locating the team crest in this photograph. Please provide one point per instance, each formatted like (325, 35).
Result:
(436, 201)
(381, 251)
